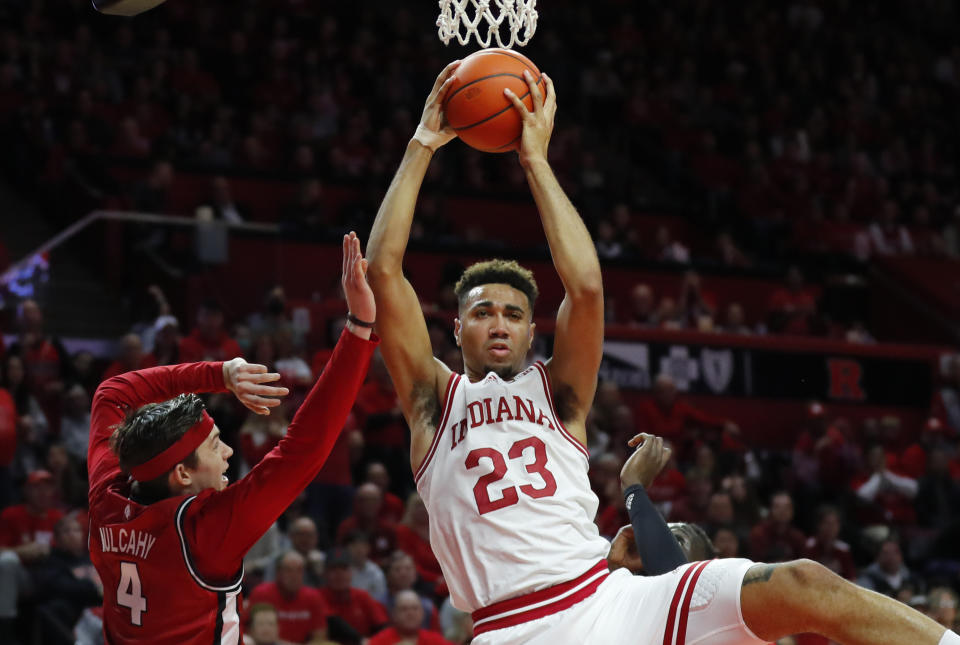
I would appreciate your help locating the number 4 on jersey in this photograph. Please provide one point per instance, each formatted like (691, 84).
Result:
(129, 593)
(509, 496)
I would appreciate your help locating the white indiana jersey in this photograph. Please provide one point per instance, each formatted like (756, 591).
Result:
(511, 509)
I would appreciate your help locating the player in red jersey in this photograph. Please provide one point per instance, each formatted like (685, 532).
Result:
(169, 538)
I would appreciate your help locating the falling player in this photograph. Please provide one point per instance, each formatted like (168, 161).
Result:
(169, 539)
(499, 459)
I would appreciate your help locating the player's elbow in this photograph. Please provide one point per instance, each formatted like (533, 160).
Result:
(587, 290)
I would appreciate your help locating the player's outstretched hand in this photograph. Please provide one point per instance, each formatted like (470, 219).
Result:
(357, 291)
(646, 462)
(623, 552)
(537, 125)
(248, 382)
(433, 130)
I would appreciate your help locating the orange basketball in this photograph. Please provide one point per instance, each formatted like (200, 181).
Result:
(475, 105)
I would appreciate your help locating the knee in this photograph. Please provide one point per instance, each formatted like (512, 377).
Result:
(807, 574)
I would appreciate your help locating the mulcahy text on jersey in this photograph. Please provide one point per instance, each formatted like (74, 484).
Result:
(128, 541)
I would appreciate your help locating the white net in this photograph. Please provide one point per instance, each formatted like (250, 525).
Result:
(505, 22)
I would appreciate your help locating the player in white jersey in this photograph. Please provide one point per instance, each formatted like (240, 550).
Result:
(499, 453)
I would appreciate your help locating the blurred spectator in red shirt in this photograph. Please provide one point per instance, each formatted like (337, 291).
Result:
(885, 496)
(776, 539)
(413, 538)
(392, 505)
(8, 435)
(821, 459)
(130, 357)
(301, 610)
(27, 529)
(693, 507)
(45, 360)
(695, 303)
(368, 517)
(665, 415)
(378, 410)
(260, 433)
(405, 629)
(913, 461)
(330, 496)
(643, 306)
(791, 309)
(208, 341)
(669, 486)
(354, 614)
(166, 341)
(826, 547)
(263, 626)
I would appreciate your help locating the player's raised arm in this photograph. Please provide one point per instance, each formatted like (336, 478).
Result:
(406, 343)
(578, 340)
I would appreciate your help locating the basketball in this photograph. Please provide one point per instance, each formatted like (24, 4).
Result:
(476, 108)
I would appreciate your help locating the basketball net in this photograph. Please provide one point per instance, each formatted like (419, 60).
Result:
(461, 19)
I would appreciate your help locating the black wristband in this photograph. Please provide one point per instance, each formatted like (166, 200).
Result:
(359, 323)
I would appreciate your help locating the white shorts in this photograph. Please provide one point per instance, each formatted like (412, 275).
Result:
(638, 610)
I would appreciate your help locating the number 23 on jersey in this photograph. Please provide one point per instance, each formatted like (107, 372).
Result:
(509, 496)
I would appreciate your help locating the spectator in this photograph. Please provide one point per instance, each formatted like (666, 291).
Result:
(8, 445)
(887, 236)
(886, 496)
(26, 533)
(735, 320)
(70, 488)
(693, 507)
(913, 461)
(366, 575)
(791, 308)
(66, 582)
(726, 542)
(260, 433)
(357, 614)
(259, 565)
(405, 626)
(392, 505)
(666, 249)
(401, 575)
(304, 539)
(946, 402)
(301, 610)
(221, 205)
(642, 307)
(826, 547)
(32, 426)
(776, 539)
(330, 495)
(208, 341)
(46, 362)
(153, 194)
(888, 574)
(938, 494)
(272, 317)
(413, 538)
(263, 627)
(384, 429)
(694, 302)
(942, 602)
(665, 415)
(75, 423)
(294, 371)
(130, 357)
(166, 341)
(368, 517)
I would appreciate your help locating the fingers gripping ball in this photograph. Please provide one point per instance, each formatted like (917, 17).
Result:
(476, 107)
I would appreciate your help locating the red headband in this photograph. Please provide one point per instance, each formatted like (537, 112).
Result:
(156, 466)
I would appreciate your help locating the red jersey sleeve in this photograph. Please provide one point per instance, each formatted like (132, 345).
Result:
(222, 526)
(131, 390)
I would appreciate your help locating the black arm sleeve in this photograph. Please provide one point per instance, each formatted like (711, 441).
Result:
(656, 545)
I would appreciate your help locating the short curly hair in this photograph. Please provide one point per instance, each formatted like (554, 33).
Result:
(497, 271)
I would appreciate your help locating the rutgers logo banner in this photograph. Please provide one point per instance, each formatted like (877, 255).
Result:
(782, 374)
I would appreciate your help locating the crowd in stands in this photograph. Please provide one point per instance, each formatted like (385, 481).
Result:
(824, 126)
(351, 560)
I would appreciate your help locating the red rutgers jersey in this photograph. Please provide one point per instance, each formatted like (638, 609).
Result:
(171, 570)
(151, 589)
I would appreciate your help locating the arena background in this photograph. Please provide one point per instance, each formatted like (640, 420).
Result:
(771, 187)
